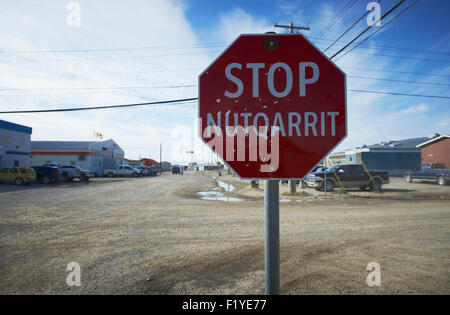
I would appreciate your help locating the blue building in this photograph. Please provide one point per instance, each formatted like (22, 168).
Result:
(15, 144)
(394, 157)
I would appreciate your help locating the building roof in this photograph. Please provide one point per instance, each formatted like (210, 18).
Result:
(75, 145)
(15, 127)
(405, 144)
(433, 140)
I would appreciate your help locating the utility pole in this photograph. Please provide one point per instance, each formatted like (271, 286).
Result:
(160, 158)
(292, 29)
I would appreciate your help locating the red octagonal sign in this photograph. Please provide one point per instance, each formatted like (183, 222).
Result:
(272, 106)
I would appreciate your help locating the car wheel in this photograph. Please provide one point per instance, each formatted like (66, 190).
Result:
(19, 181)
(441, 180)
(329, 185)
(110, 174)
(65, 178)
(135, 175)
(375, 185)
(363, 188)
(408, 178)
(46, 180)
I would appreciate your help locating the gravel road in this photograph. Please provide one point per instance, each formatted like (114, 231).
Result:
(155, 236)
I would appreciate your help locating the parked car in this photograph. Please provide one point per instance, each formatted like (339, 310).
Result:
(154, 171)
(297, 181)
(71, 172)
(123, 170)
(145, 171)
(47, 174)
(350, 176)
(17, 175)
(433, 172)
(177, 170)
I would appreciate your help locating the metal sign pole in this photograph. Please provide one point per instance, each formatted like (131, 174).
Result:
(272, 236)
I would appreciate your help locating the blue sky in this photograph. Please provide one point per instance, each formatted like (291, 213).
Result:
(135, 50)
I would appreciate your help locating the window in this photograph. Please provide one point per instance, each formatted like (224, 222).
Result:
(13, 170)
(23, 170)
(16, 163)
(82, 157)
(4, 170)
(7, 137)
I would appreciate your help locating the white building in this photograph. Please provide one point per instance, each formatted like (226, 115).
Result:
(91, 155)
(15, 144)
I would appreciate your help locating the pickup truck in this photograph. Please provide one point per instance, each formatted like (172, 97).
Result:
(429, 172)
(71, 172)
(350, 176)
(123, 170)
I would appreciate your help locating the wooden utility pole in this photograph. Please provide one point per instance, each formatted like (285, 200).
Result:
(160, 158)
(292, 29)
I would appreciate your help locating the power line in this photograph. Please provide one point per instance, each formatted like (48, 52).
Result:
(368, 28)
(102, 88)
(199, 69)
(183, 46)
(348, 29)
(117, 58)
(344, 10)
(399, 94)
(394, 48)
(182, 86)
(394, 80)
(207, 45)
(400, 72)
(395, 17)
(184, 100)
(393, 56)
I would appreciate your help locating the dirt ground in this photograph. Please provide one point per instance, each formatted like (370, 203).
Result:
(156, 236)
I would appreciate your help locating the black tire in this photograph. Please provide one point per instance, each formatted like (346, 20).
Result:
(441, 181)
(363, 188)
(329, 185)
(46, 180)
(135, 175)
(110, 174)
(376, 184)
(19, 182)
(408, 178)
(65, 178)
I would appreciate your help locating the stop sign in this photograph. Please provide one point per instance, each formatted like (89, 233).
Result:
(272, 106)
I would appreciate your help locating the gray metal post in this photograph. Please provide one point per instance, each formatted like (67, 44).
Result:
(272, 236)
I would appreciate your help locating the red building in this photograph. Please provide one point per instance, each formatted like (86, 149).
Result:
(150, 162)
(143, 162)
(436, 150)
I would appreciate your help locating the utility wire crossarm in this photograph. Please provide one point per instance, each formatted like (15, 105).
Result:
(291, 27)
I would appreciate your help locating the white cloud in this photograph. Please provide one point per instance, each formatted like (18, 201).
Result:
(238, 21)
(415, 109)
(159, 25)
